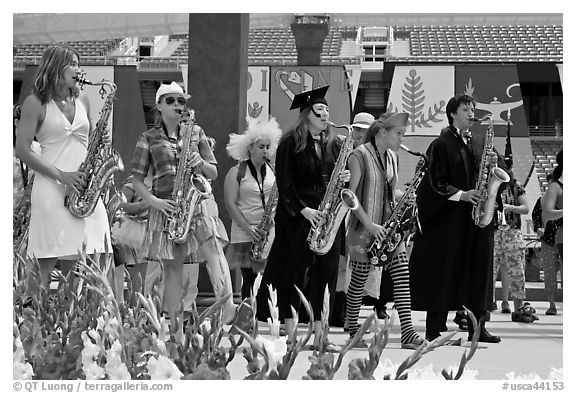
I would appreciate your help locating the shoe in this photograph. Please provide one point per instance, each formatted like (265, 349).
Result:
(432, 335)
(360, 344)
(330, 347)
(381, 313)
(461, 320)
(505, 307)
(551, 311)
(493, 307)
(525, 318)
(242, 319)
(486, 337)
(416, 342)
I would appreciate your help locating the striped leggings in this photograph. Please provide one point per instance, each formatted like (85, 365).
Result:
(398, 269)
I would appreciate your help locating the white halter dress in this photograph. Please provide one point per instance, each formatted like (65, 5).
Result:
(54, 232)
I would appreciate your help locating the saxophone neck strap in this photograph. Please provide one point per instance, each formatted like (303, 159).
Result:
(252, 169)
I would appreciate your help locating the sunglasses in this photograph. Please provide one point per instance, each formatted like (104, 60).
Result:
(171, 100)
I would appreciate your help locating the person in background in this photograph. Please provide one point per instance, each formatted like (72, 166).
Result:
(305, 159)
(552, 241)
(374, 172)
(128, 234)
(247, 189)
(158, 150)
(360, 124)
(57, 113)
(509, 249)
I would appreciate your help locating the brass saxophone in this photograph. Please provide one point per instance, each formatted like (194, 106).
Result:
(21, 220)
(101, 162)
(488, 181)
(189, 187)
(399, 225)
(261, 248)
(336, 203)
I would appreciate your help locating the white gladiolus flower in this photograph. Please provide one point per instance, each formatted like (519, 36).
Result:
(115, 369)
(275, 348)
(163, 368)
(93, 371)
(21, 368)
(556, 373)
(532, 376)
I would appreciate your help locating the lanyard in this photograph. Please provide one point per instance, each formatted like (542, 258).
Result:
(380, 159)
(384, 169)
(255, 175)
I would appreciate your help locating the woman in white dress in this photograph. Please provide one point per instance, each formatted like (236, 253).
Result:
(57, 114)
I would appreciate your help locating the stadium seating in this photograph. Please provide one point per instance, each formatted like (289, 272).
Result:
(545, 150)
(484, 43)
(276, 46)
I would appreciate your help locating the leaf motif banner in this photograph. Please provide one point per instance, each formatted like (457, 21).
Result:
(422, 92)
(258, 94)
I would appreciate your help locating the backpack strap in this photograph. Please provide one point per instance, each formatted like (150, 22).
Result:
(241, 171)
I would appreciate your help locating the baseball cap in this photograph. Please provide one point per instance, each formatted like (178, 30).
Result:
(172, 88)
(363, 120)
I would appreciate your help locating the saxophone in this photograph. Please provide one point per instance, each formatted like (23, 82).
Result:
(488, 181)
(189, 187)
(261, 248)
(101, 162)
(21, 221)
(399, 225)
(336, 203)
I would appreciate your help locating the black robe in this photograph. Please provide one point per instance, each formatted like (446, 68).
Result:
(301, 178)
(451, 261)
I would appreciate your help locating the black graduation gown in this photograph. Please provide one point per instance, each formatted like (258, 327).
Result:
(451, 261)
(301, 179)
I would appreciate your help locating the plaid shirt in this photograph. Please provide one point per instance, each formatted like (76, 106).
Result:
(160, 154)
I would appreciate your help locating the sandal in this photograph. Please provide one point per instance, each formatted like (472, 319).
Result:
(330, 347)
(518, 316)
(527, 309)
(505, 307)
(360, 344)
(242, 319)
(416, 342)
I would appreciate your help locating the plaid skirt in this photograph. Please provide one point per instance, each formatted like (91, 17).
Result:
(238, 255)
(205, 225)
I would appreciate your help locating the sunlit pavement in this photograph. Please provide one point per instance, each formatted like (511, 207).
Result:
(525, 347)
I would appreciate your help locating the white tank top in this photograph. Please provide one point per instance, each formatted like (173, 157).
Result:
(250, 203)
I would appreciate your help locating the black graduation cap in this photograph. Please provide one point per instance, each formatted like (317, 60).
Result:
(309, 98)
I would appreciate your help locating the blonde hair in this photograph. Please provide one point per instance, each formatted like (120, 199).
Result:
(238, 146)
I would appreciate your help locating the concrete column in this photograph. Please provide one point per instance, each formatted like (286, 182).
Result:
(217, 82)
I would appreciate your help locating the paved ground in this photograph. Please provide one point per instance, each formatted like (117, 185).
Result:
(525, 348)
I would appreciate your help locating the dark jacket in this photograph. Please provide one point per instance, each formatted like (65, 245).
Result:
(451, 261)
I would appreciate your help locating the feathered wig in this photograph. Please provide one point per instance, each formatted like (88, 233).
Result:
(238, 145)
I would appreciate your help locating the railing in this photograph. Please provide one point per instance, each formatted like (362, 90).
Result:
(544, 130)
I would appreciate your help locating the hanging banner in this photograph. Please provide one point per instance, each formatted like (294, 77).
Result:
(496, 90)
(561, 73)
(286, 82)
(258, 95)
(422, 92)
(184, 68)
(353, 72)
